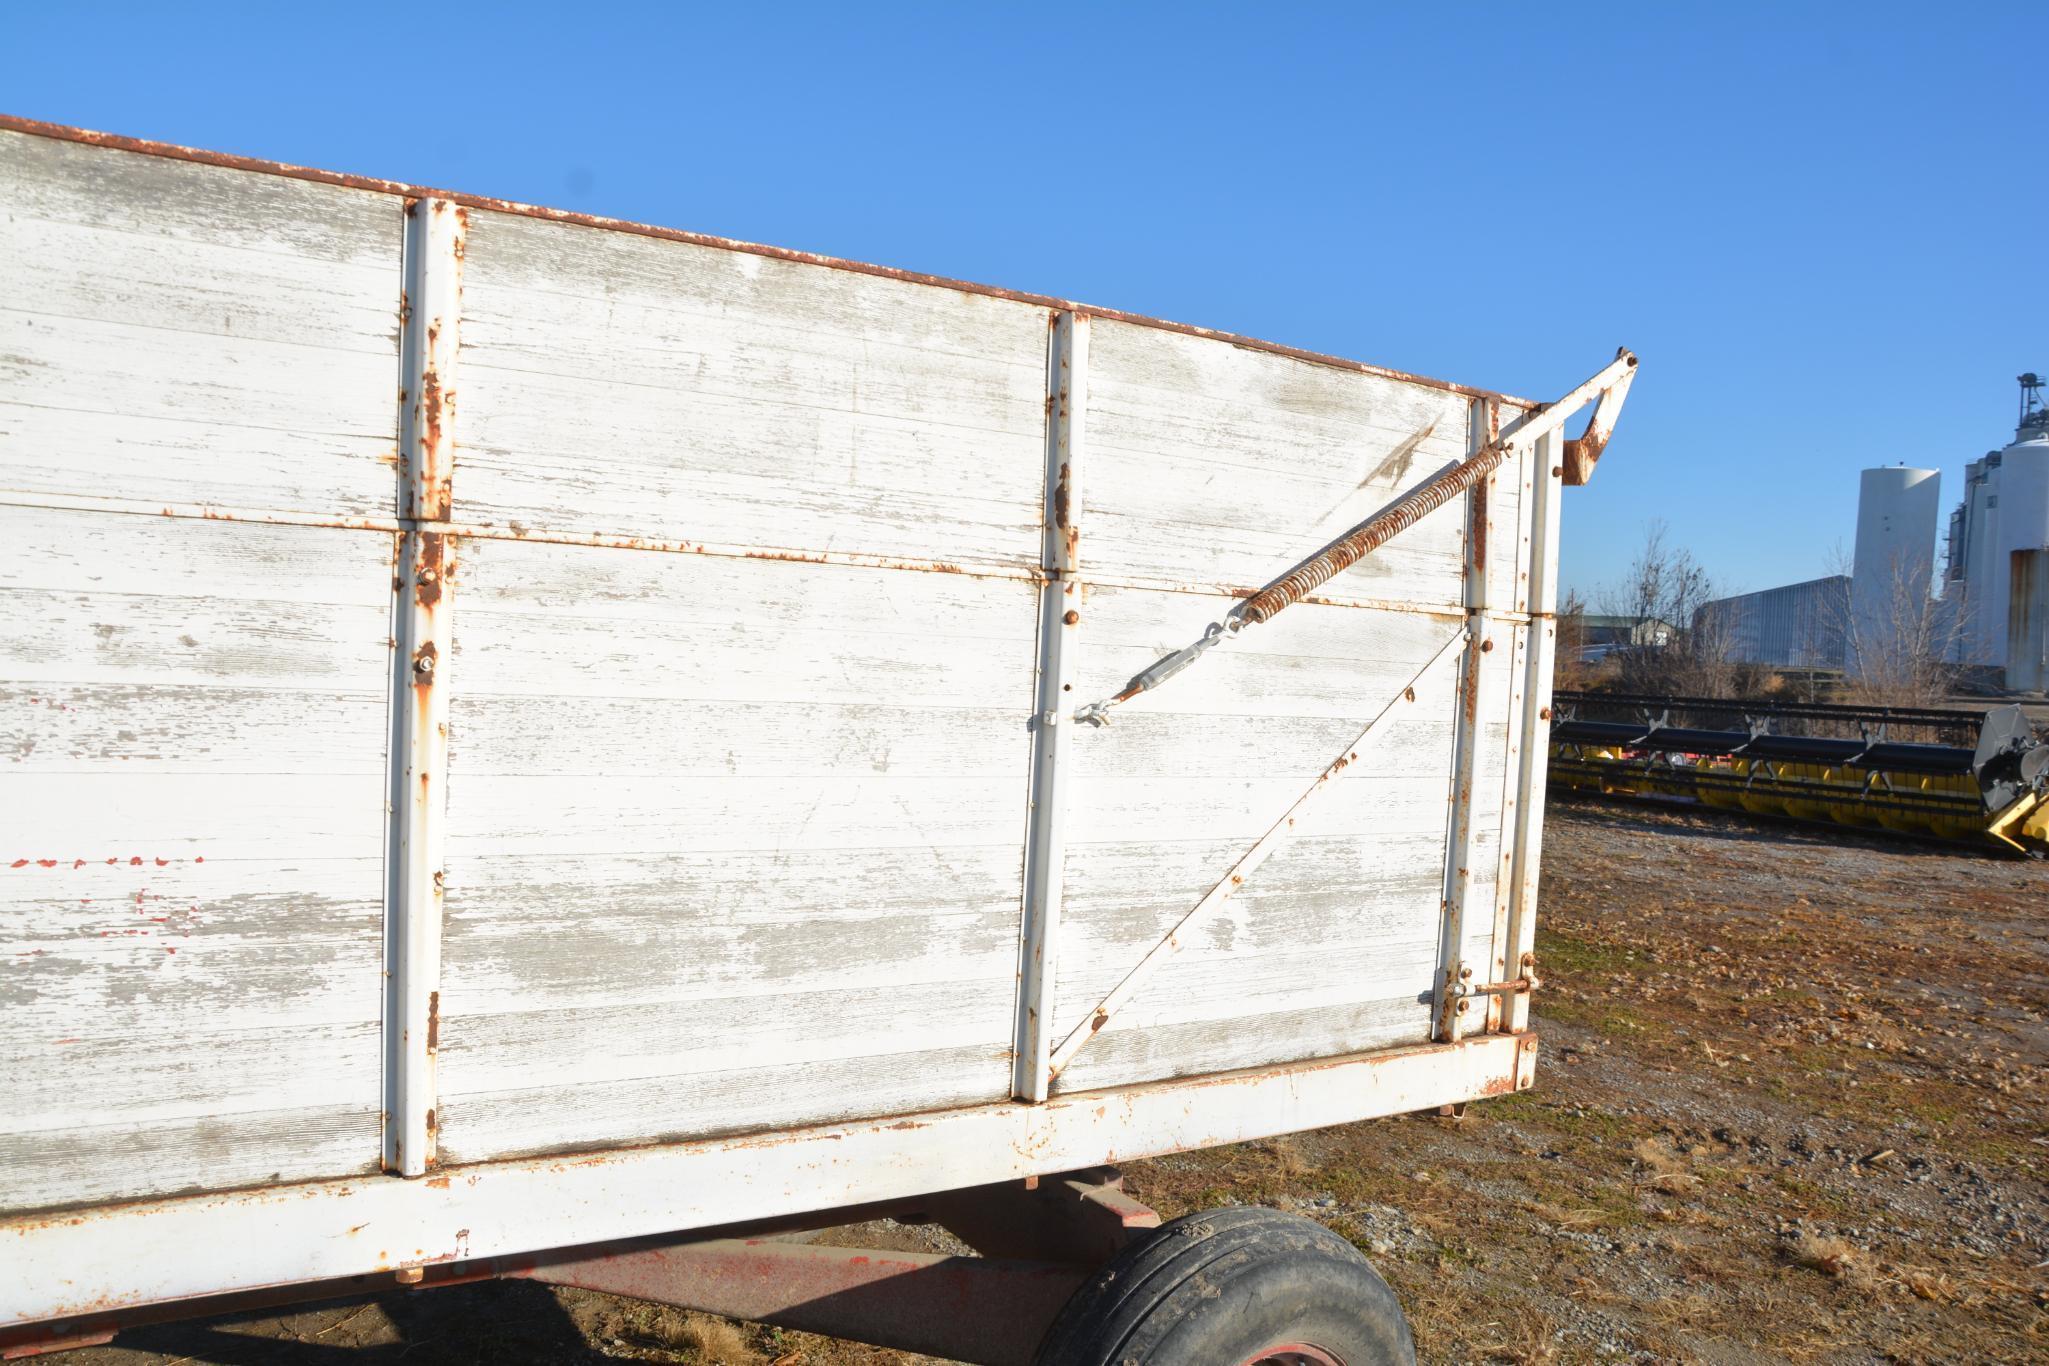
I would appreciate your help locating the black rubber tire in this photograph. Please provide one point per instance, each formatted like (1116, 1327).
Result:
(1220, 1288)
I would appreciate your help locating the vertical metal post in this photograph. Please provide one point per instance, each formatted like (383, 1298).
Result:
(1474, 710)
(1534, 720)
(430, 312)
(1521, 469)
(1059, 627)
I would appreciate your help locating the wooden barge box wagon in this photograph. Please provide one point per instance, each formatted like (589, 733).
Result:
(542, 746)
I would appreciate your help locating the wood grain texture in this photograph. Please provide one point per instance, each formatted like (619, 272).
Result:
(628, 385)
(745, 1099)
(709, 811)
(734, 843)
(182, 333)
(192, 737)
(1188, 777)
(98, 1164)
(1214, 465)
(1322, 1030)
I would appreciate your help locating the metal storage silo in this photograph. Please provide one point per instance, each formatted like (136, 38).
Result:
(2019, 520)
(1982, 635)
(1897, 508)
(2027, 622)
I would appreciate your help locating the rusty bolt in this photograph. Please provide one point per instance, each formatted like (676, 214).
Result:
(1557, 470)
(1545, 713)
(423, 664)
(408, 1275)
(1462, 1006)
(1072, 618)
(1485, 646)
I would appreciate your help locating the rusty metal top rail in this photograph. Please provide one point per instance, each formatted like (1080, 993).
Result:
(37, 128)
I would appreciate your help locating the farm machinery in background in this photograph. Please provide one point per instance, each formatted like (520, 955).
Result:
(1945, 773)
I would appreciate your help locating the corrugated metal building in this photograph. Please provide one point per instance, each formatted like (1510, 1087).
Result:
(1800, 625)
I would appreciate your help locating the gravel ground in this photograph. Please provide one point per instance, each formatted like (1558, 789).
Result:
(1792, 1108)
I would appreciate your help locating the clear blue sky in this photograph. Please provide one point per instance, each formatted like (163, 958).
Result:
(1822, 227)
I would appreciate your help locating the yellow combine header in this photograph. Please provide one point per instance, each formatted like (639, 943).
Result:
(1950, 774)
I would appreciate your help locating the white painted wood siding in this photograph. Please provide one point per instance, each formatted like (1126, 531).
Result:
(192, 715)
(743, 633)
(187, 334)
(193, 710)
(632, 386)
(1213, 469)
(734, 842)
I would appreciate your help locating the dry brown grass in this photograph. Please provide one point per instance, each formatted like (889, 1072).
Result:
(1527, 1337)
(1663, 1167)
(1289, 1160)
(712, 1341)
(1834, 1257)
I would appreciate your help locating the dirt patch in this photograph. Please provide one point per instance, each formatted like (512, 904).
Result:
(1792, 1107)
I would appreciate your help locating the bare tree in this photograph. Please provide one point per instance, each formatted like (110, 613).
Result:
(1571, 669)
(1672, 645)
(1897, 641)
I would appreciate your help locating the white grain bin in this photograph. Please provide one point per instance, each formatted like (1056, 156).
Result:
(2020, 521)
(1897, 508)
(2027, 621)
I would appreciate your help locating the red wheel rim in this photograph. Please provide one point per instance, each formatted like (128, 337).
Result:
(1294, 1354)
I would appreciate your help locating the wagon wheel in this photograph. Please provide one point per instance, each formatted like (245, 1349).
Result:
(1233, 1287)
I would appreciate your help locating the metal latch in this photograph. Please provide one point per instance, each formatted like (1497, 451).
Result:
(1463, 986)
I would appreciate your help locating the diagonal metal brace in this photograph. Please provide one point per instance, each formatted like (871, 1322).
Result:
(1606, 390)
(1258, 854)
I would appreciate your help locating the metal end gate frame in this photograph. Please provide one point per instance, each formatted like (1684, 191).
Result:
(422, 1222)
(1557, 462)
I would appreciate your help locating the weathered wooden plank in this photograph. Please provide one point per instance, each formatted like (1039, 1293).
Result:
(569, 262)
(629, 892)
(741, 630)
(1179, 745)
(64, 550)
(770, 791)
(611, 737)
(771, 511)
(185, 334)
(145, 374)
(210, 462)
(1311, 661)
(210, 288)
(65, 182)
(844, 664)
(1374, 920)
(204, 641)
(554, 1118)
(187, 1155)
(606, 1040)
(1118, 808)
(1320, 1031)
(490, 817)
(149, 602)
(1508, 548)
(191, 914)
(635, 386)
(161, 727)
(1174, 792)
(1221, 466)
(767, 595)
(683, 958)
(170, 1071)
